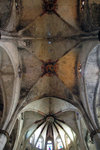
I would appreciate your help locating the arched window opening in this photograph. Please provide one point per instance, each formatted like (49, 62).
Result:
(71, 134)
(49, 145)
(39, 144)
(32, 139)
(28, 134)
(68, 141)
(70, 138)
(59, 144)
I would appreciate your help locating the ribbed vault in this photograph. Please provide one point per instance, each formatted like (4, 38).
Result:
(49, 90)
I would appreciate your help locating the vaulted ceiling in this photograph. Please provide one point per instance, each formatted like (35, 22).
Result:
(47, 45)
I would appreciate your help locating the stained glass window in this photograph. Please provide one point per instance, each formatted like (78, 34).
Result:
(39, 143)
(49, 145)
(59, 143)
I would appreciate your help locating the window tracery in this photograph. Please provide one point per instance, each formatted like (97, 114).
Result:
(59, 144)
(49, 145)
(40, 143)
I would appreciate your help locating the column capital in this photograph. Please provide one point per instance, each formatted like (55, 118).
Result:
(5, 133)
(93, 133)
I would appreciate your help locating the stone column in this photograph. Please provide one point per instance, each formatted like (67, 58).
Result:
(3, 140)
(96, 140)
